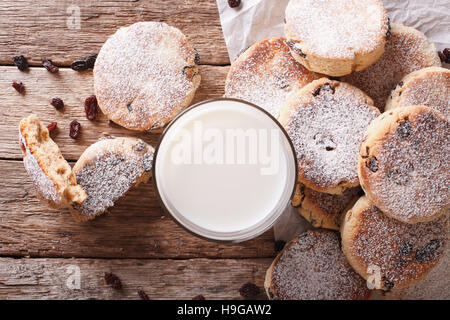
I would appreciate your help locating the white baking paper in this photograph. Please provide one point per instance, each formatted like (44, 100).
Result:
(256, 20)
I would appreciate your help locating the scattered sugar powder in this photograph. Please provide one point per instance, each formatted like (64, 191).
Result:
(405, 52)
(338, 28)
(142, 74)
(402, 251)
(327, 130)
(267, 76)
(432, 90)
(314, 268)
(45, 187)
(413, 179)
(108, 177)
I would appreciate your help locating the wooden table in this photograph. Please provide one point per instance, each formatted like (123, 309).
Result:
(40, 247)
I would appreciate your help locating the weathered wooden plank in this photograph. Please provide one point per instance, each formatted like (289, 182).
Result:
(48, 28)
(135, 228)
(73, 87)
(160, 279)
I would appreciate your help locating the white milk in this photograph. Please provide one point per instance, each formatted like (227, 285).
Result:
(225, 170)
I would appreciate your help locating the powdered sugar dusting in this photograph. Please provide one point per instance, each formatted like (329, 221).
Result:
(403, 252)
(267, 75)
(314, 268)
(413, 177)
(431, 90)
(404, 53)
(144, 73)
(45, 187)
(337, 28)
(326, 131)
(109, 176)
(333, 204)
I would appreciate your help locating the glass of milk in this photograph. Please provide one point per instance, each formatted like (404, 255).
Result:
(225, 170)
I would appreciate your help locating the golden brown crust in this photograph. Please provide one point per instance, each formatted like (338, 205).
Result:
(388, 253)
(145, 74)
(401, 166)
(53, 179)
(107, 170)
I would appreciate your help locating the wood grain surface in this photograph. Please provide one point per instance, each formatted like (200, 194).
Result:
(48, 29)
(171, 279)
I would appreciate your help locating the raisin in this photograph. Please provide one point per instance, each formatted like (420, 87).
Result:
(234, 3)
(428, 251)
(372, 164)
(279, 245)
(21, 62)
(197, 57)
(249, 290)
(406, 249)
(400, 84)
(130, 106)
(446, 53)
(90, 107)
(326, 87)
(79, 65)
(388, 32)
(292, 45)
(48, 64)
(404, 129)
(325, 141)
(90, 60)
(199, 297)
(52, 126)
(75, 128)
(143, 295)
(388, 285)
(57, 103)
(18, 86)
(441, 56)
(113, 281)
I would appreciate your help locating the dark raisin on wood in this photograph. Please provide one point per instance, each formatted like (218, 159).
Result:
(404, 129)
(143, 295)
(446, 54)
(75, 128)
(20, 88)
(326, 87)
(197, 57)
(52, 126)
(90, 107)
(372, 164)
(199, 297)
(279, 245)
(428, 251)
(113, 281)
(21, 62)
(234, 3)
(57, 103)
(388, 32)
(79, 65)
(90, 60)
(406, 249)
(48, 64)
(249, 290)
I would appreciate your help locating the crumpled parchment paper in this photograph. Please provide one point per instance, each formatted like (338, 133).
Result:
(256, 20)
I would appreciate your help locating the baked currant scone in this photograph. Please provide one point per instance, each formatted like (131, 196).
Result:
(107, 170)
(326, 121)
(435, 285)
(52, 176)
(407, 50)
(324, 210)
(266, 74)
(428, 87)
(403, 164)
(313, 267)
(336, 37)
(389, 253)
(145, 74)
